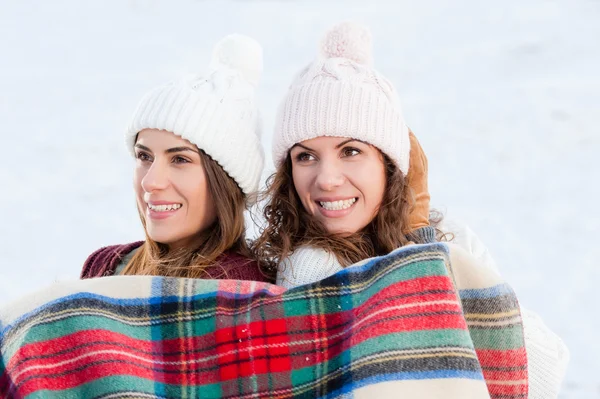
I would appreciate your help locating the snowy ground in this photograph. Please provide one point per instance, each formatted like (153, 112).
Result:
(504, 96)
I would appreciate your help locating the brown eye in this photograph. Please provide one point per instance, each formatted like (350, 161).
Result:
(304, 157)
(180, 159)
(350, 151)
(142, 156)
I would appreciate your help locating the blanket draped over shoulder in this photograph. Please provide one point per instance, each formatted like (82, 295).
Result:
(392, 326)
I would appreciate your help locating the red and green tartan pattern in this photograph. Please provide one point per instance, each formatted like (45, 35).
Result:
(396, 318)
(494, 321)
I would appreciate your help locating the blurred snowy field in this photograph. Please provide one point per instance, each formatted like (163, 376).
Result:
(504, 97)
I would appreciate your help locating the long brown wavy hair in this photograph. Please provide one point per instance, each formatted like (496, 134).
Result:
(288, 225)
(226, 234)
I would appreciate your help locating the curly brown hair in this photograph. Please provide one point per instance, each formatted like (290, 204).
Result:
(288, 225)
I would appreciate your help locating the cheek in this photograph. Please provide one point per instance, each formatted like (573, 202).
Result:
(138, 176)
(194, 188)
(204, 200)
(379, 184)
(191, 187)
(301, 178)
(373, 182)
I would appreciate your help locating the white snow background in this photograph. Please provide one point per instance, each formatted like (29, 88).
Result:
(504, 97)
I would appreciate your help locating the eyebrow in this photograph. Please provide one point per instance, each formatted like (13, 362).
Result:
(337, 146)
(303, 146)
(348, 141)
(170, 150)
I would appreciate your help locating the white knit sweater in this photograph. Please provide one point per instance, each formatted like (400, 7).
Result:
(547, 355)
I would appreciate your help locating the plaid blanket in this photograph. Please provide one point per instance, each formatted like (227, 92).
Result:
(391, 326)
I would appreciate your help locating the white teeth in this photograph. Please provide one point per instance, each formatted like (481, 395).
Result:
(164, 208)
(337, 205)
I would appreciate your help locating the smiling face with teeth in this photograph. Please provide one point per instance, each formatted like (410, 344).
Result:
(171, 188)
(340, 181)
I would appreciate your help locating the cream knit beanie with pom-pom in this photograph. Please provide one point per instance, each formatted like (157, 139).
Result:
(339, 94)
(217, 110)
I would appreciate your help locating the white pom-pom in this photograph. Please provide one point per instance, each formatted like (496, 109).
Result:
(241, 53)
(348, 40)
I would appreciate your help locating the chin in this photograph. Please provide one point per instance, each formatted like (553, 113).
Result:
(161, 238)
(345, 229)
(341, 230)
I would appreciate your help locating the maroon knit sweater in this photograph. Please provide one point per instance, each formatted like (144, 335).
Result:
(104, 262)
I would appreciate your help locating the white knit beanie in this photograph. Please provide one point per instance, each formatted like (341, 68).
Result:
(341, 95)
(217, 110)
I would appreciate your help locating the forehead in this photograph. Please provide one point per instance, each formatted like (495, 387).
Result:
(161, 139)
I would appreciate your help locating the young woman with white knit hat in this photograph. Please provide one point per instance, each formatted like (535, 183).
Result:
(198, 161)
(342, 152)
(344, 190)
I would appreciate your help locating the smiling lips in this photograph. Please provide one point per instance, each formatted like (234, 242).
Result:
(162, 210)
(337, 205)
(164, 207)
(336, 208)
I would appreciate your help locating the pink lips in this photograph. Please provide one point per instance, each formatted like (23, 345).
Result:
(338, 213)
(155, 215)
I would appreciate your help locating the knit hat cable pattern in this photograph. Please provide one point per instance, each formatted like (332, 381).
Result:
(341, 95)
(215, 110)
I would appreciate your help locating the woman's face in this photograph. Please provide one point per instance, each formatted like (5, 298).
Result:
(171, 188)
(340, 181)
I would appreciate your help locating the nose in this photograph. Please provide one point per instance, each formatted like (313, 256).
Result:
(330, 175)
(156, 178)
